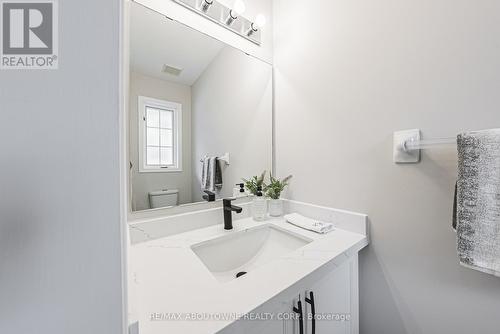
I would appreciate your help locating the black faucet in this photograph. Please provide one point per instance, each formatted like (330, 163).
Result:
(228, 212)
(209, 197)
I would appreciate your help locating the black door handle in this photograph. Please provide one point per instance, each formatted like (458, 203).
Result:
(298, 310)
(310, 301)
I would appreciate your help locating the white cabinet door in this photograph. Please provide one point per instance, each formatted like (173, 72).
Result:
(335, 302)
(285, 320)
(271, 327)
(279, 319)
(291, 323)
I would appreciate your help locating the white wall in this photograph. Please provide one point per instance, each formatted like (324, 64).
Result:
(232, 112)
(143, 183)
(60, 237)
(194, 20)
(348, 74)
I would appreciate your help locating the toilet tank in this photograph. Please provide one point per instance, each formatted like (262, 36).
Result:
(163, 198)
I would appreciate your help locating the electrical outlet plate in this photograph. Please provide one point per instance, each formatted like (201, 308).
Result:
(400, 155)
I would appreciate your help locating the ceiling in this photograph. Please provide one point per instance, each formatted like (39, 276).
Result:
(156, 41)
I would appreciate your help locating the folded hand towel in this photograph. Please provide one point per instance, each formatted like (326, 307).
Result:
(308, 223)
(478, 200)
(218, 175)
(205, 176)
(211, 175)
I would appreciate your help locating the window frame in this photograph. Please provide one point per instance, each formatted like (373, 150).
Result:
(143, 103)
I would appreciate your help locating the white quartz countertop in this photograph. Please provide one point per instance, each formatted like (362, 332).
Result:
(169, 280)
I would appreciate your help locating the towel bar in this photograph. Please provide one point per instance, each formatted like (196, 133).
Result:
(422, 144)
(407, 145)
(224, 158)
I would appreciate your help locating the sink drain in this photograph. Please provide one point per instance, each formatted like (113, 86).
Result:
(241, 273)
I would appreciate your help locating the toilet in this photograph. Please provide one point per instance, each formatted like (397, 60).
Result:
(163, 198)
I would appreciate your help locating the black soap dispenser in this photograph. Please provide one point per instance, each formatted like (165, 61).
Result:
(239, 191)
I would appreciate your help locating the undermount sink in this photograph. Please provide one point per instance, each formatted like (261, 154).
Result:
(237, 253)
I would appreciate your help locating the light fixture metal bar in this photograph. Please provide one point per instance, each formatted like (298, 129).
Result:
(219, 13)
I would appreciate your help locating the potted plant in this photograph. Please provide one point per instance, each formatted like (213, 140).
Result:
(254, 183)
(273, 190)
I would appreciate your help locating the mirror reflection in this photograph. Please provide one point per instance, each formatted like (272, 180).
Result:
(200, 114)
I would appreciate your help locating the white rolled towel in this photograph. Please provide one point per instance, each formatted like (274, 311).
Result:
(308, 223)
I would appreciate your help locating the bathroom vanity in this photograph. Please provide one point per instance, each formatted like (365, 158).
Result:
(260, 277)
(193, 102)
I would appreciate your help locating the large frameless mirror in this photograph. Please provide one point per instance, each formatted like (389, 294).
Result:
(200, 114)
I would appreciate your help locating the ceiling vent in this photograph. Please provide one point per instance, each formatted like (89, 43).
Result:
(171, 70)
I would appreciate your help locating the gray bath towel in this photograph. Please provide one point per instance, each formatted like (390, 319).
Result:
(211, 175)
(478, 200)
(218, 175)
(205, 173)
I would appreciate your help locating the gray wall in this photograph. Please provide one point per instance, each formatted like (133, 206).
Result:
(232, 112)
(60, 239)
(143, 183)
(348, 74)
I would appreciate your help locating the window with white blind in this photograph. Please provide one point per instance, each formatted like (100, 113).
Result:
(160, 124)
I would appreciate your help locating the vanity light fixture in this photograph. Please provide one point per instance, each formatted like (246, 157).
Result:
(230, 18)
(259, 23)
(205, 5)
(238, 9)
